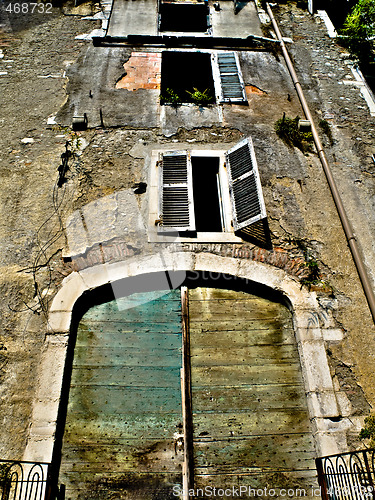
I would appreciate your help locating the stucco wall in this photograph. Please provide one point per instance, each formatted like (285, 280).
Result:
(35, 213)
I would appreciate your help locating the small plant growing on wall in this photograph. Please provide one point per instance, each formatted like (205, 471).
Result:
(313, 277)
(287, 129)
(326, 129)
(368, 432)
(170, 97)
(72, 137)
(200, 98)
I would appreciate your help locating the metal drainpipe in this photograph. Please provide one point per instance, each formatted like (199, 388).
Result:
(367, 287)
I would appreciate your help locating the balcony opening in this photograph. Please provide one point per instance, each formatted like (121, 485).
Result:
(186, 77)
(206, 189)
(184, 17)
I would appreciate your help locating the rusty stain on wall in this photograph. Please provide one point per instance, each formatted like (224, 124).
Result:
(251, 89)
(143, 71)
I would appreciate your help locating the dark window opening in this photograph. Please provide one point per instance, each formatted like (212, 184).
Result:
(336, 9)
(207, 205)
(183, 17)
(185, 76)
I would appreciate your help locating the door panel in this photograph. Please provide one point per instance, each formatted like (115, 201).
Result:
(250, 420)
(124, 418)
(123, 435)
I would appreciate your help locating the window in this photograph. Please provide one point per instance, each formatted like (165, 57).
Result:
(207, 195)
(188, 76)
(184, 17)
(182, 73)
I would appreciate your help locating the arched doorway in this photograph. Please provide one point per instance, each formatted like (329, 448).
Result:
(124, 432)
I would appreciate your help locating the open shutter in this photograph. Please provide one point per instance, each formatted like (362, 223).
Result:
(232, 88)
(244, 185)
(176, 204)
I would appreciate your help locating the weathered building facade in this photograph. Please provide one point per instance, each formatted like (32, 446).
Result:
(189, 310)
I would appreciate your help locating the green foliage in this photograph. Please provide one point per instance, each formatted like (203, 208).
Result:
(4, 468)
(196, 96)
(287, 129)
(313, 277)
(324, 125)
(358, 31)
(72, 137)
(4, 481)
(170, 97)
(368, 431)
(201, 98)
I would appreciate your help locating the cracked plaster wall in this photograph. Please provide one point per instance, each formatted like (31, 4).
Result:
(300, 211)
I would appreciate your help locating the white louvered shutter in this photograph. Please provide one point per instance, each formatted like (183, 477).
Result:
(244, 185)
(176, 206)
(232, 87)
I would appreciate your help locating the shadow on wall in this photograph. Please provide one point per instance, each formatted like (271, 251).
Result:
(257, 233)
(238, 6)
(170, 280)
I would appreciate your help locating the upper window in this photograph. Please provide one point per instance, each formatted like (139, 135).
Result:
(185, 76)
(184, 17)
(201, 78)
(209, 195)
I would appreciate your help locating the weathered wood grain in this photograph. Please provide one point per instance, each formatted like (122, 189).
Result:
(137, 376)
(244, 374)
(249, 404)
(268, 396)
(124, 413)
(251, 354)
(124, 423)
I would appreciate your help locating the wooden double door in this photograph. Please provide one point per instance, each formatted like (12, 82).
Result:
(190, 389)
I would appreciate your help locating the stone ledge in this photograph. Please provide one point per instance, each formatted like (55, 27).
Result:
(95, 276)
(45, 410)
(315, 367)
(59, 322)
(307, 334)
(330, 435)
(333, 334)
(217, 264)
(323, 404)
(39, 449)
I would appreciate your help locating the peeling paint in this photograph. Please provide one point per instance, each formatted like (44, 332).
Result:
(142, 71)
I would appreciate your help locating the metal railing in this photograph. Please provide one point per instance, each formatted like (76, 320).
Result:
(347, 476)
(24, 481)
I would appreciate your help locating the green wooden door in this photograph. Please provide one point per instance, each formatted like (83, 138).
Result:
(249, 425)
(250, 421)
(124, 420)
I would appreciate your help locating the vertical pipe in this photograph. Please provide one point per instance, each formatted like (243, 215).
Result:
(367, 287)
(188, 478)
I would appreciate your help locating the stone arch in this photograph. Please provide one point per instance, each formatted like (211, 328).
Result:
(311, 325)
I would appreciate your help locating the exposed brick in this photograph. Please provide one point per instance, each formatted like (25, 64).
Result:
(143, 71)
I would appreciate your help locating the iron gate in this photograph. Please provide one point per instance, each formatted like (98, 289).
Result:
(25, 481)
(347, 476)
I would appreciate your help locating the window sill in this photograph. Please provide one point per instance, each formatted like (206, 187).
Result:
(222, 237)
(180, 34)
